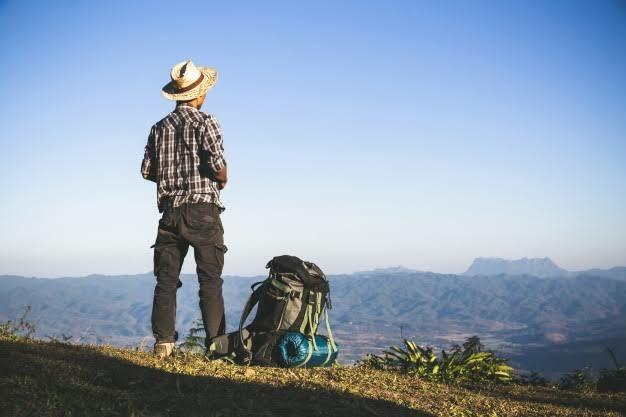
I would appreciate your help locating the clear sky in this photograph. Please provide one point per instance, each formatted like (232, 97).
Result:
(358, 134)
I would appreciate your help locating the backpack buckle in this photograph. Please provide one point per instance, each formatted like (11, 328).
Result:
(295, 294)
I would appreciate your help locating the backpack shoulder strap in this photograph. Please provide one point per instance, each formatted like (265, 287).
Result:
(254, 298)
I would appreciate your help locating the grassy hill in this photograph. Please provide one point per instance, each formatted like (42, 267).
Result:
(57, 379)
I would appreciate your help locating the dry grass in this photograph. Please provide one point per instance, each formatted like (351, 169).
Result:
(55, 379)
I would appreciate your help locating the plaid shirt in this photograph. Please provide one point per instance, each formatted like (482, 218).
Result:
(181, 150)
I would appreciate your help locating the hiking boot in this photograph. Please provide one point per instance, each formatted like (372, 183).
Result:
(163, 350)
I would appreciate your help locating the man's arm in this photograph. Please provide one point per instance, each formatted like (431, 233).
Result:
(148, 165)
(221, 177)
(212, 143)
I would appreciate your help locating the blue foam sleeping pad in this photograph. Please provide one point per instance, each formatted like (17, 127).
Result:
(294, 349)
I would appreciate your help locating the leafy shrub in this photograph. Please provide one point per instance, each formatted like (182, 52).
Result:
(22, 328)
(578, 379)
(612, 380)
(469, 363)
(194, 342)
(60, 339)
(535, 378)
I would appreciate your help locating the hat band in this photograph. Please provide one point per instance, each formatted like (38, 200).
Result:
(192, 85)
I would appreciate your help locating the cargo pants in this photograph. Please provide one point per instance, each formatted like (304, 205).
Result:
(198, 225)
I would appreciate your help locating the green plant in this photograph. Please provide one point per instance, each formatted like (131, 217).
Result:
(194, 342)
(612, 380)
(60, 339)
(22, 328)
(535, 378)
(578, 379)
(469, 363)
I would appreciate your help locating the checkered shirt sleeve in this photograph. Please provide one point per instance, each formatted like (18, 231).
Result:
(148, 165)
(211, 140)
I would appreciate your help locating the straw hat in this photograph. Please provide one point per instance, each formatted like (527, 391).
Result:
(189, 81)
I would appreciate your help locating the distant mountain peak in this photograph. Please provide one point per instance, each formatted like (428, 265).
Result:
(540, 267)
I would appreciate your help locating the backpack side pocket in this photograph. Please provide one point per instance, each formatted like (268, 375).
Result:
(271, 309)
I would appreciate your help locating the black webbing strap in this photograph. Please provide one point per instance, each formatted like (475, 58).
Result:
(252, 301)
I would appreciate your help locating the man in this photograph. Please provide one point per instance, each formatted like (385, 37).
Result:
(185, 158)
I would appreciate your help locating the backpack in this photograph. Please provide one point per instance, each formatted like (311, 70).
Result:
(292, 301)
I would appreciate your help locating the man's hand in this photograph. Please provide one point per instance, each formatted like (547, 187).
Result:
(221, 177)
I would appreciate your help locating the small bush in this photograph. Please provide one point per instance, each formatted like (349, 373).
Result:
(469, 363)
(535, 379)
(22, 328)
(66, 339)
(194, 342)
(579, 379)
(612, 380)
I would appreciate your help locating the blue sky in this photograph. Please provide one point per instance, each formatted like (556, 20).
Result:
(358, 135)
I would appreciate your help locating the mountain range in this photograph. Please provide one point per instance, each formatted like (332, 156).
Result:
(541, 321)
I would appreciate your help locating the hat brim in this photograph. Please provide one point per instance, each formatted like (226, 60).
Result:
(171, 92)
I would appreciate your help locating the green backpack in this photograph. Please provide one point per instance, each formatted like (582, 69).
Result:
(292, 302)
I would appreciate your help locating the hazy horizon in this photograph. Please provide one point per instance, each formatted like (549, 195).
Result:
(264, 271)
(358, 135)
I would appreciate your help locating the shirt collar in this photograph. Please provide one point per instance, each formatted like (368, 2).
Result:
(185, 107)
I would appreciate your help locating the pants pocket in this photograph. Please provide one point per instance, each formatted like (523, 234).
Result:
(202, 217)
(220, 250)
(168, 221)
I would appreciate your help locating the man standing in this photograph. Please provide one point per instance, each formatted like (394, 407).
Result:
(185, 158)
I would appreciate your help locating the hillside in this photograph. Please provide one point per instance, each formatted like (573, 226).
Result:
(55, 379)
